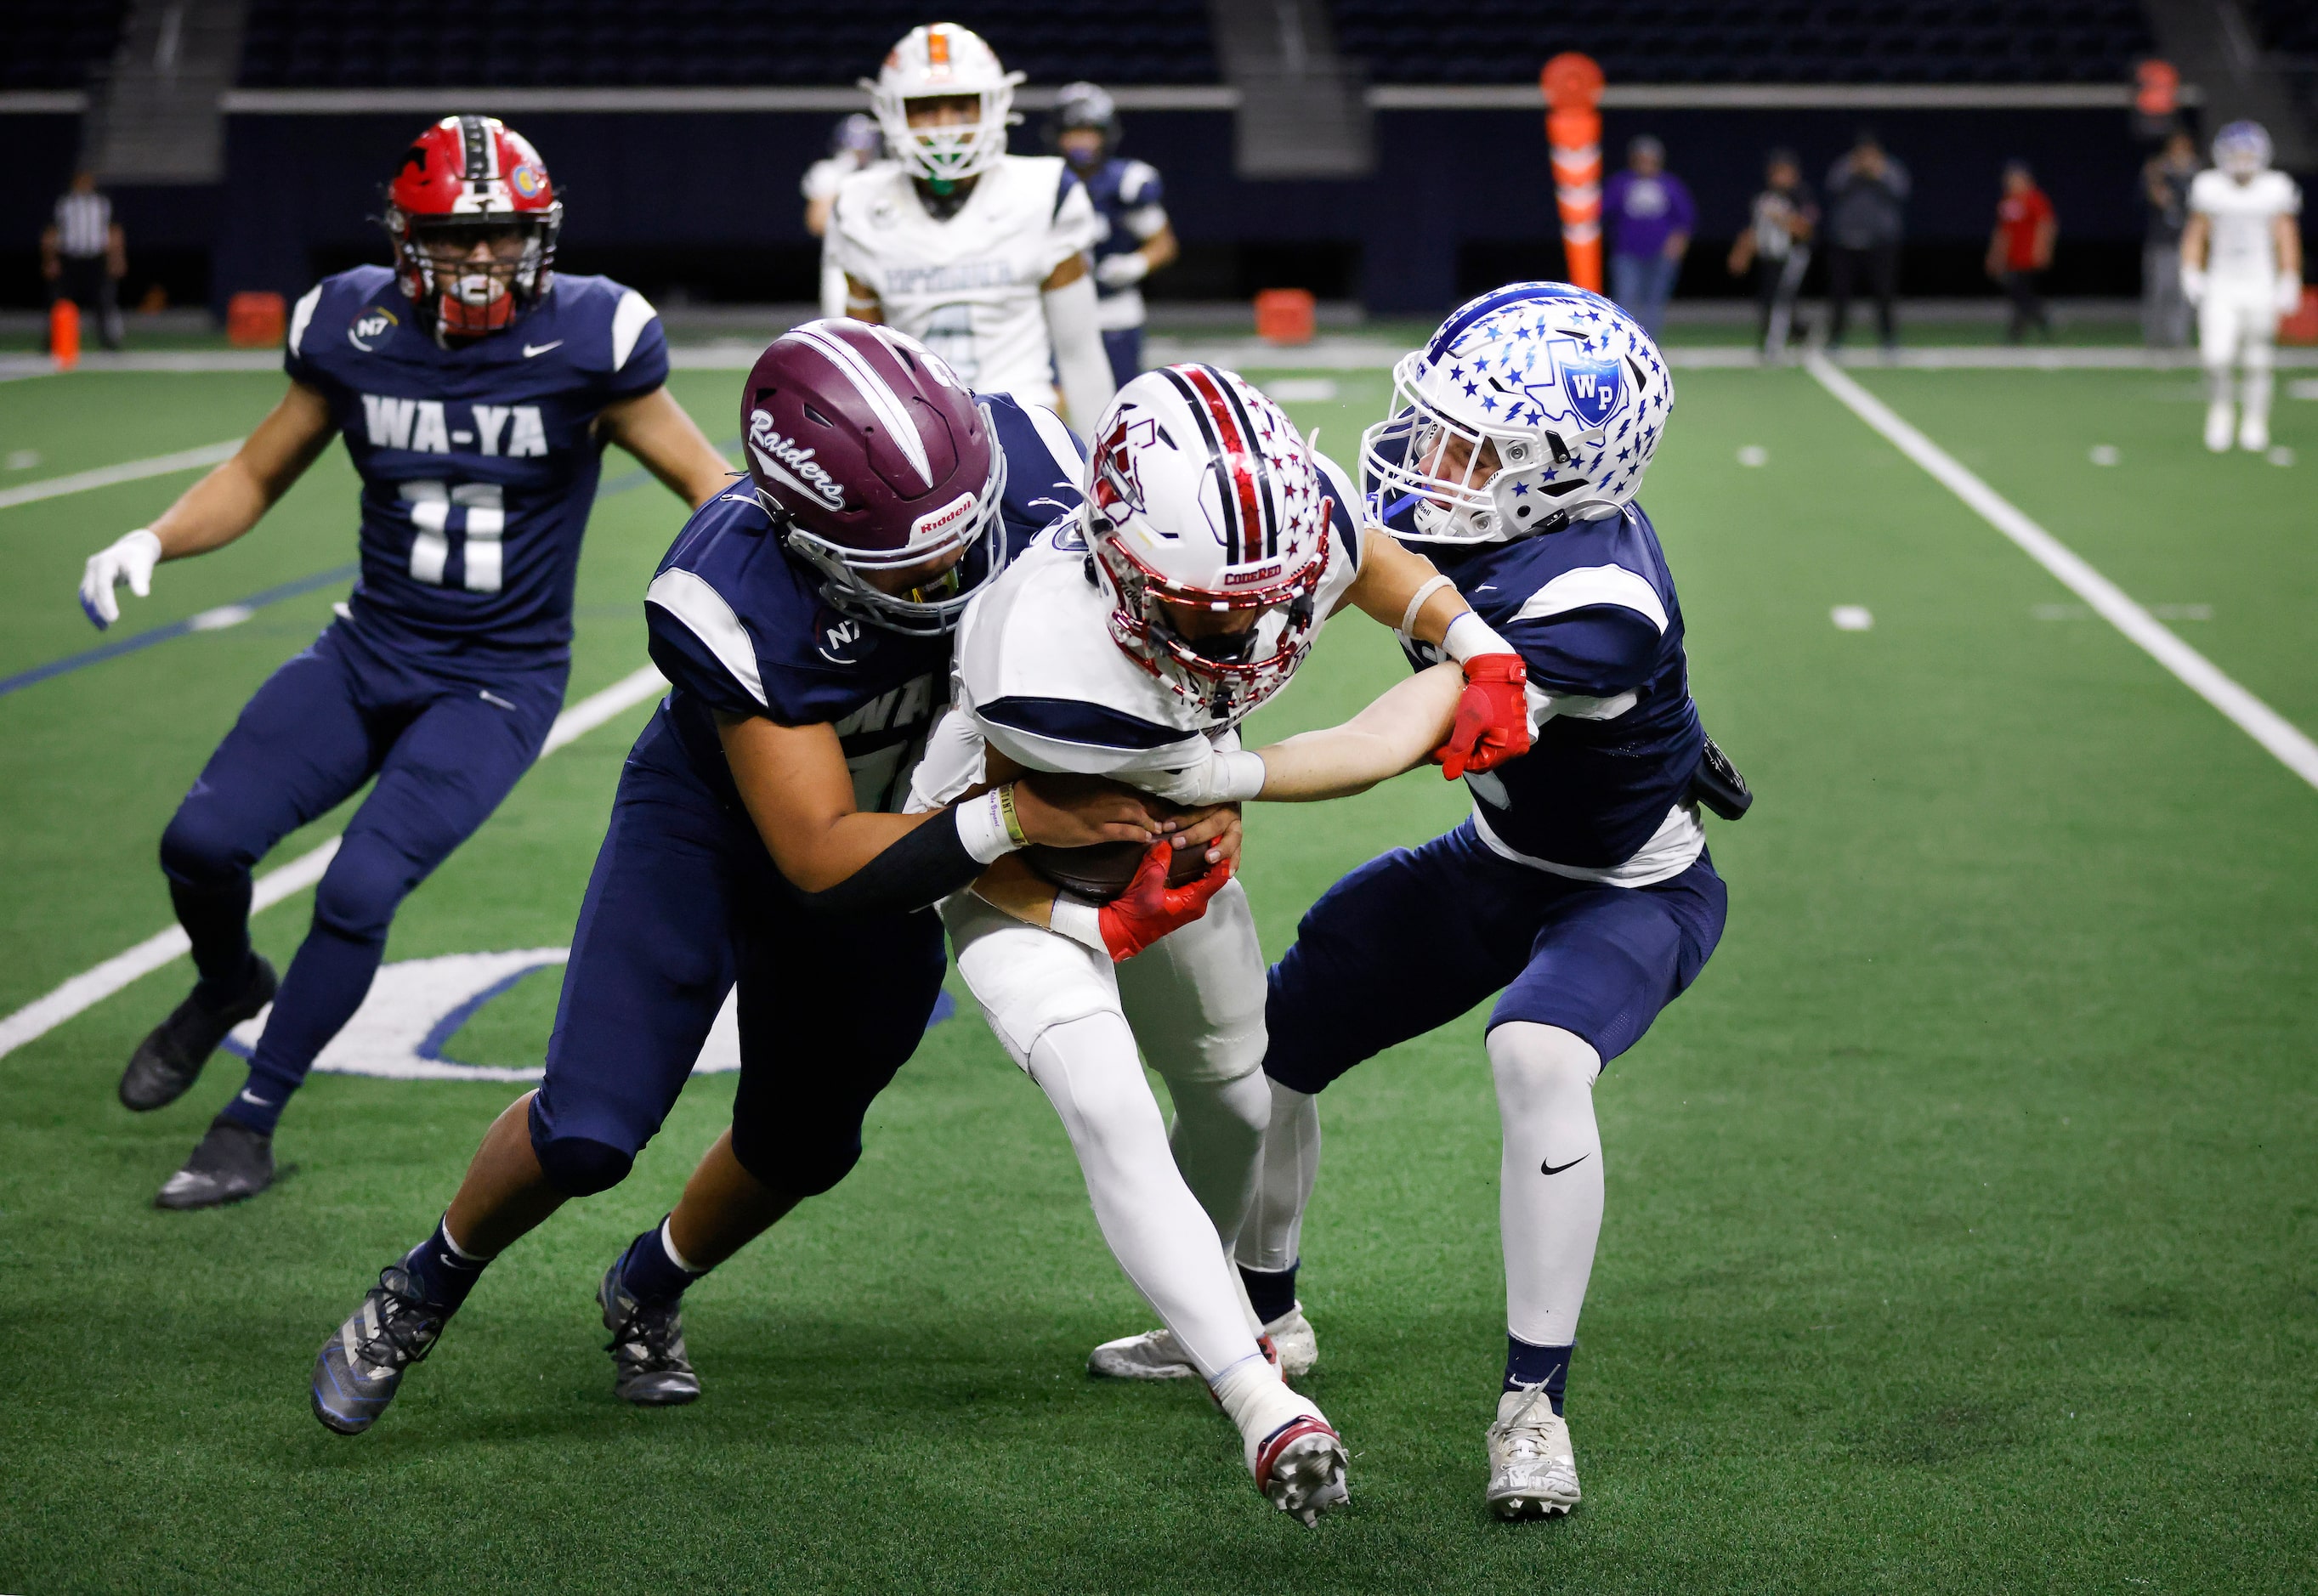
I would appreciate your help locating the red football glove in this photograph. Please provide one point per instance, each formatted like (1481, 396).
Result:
(1149, 909)
(1492, 723)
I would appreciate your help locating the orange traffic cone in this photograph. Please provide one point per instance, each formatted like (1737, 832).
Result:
(64, 334)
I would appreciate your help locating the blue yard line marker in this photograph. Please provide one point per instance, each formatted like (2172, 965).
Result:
(241, 609)
(216, 620)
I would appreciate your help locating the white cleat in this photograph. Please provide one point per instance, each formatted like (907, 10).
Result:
(2253, 433)
(1533, 1468)
(1299, 1467)
(1156, 1355)
(2218, 420)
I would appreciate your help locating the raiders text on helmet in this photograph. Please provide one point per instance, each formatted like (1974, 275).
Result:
(872, 457)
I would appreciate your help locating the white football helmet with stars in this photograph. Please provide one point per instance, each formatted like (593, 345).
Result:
(1533, 406)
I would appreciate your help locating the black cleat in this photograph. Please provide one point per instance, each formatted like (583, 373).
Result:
(232, 1162)
(358, 1369)
(650, 1367)
(169, 1060)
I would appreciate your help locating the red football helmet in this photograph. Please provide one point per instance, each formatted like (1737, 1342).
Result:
(474, 221)
(873, 457)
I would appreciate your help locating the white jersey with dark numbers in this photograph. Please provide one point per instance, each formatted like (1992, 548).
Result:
(968, 287)
(1038, 678)
(2243, 244)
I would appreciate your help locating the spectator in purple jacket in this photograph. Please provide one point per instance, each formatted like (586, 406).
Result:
(1650, 219)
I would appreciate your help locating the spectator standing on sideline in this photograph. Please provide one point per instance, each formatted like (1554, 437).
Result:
(1777, 245)
(84, 255)
(1867, 211)
(2021, 247)
(1651, 217)
(854, 144)
(2165, 180)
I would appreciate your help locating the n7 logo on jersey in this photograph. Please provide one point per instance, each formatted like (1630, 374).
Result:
(422, 427)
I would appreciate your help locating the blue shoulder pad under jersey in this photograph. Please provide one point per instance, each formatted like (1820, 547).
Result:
(1045, 461)
(479, 459)
(1592, 609)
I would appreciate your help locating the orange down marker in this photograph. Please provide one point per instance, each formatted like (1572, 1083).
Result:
(1572, 86)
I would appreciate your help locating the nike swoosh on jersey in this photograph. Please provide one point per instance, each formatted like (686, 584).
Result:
(529, 350)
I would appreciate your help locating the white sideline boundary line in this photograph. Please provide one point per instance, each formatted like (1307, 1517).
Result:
(2286, 742)
(91, 987)
(128, 470)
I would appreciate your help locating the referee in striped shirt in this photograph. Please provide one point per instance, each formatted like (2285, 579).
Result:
(84, 257)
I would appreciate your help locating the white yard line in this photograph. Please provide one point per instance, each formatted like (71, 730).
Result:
(90, 987)
(2285, 740)
(128, 470)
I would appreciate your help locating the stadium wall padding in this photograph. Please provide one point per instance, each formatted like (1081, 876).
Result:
(1450, 186)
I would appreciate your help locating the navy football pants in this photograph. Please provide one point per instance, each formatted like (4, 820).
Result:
(685, 903)
(1410, 941)
(444, 751)
(1124, 346)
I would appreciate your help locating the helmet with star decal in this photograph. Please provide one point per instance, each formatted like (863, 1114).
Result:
(1535, 405)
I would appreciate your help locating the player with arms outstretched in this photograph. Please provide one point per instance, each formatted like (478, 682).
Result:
(804, 620)
(475, 388)
(980, 254)
(1580, 890)
(2241, 268)
(1133, 237)
(1130, 643)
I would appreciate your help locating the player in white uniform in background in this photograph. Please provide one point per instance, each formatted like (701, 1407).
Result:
(980, 254)
(1129, 641)
(855, 145)
(2241, 268)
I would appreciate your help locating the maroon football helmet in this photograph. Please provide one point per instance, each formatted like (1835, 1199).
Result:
(871, 456)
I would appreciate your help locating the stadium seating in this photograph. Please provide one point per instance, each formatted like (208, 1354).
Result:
(1800, 41)
(58, 44)
(566, 43)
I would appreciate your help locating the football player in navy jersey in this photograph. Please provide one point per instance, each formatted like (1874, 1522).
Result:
(475, 390)
(1134, 238)
(1580, 891)
(804, 620)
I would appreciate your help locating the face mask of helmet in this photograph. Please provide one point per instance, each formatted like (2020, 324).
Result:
(974, 541)
(476, 272)
(1227, 671)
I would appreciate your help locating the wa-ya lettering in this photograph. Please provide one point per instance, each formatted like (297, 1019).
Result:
(423, 427)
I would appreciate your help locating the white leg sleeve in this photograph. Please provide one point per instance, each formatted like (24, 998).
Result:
(2258, 351)
(1549, 1193)
(1196, 1000)
(1055, 1006)
(2217, 334)
(1272, 1238)
(1156, 1229)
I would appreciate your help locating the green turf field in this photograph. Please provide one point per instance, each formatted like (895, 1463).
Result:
(1963, 1231)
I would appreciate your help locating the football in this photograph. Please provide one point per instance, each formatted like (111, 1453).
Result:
(1102, 872)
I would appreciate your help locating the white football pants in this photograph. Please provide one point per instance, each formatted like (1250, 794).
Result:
(1194, 1001)
(1548, 1180)
(2237, 326)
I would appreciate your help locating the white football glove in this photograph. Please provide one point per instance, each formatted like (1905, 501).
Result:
(1122, 270)
(131, 559)
(2193, 284)
(2289, 294)
(1223, 778)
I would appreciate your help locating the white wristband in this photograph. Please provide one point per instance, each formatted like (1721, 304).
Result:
(1468, 635)
(1238, 776)
(1407, 628)
(1080, 921)
(982, 828)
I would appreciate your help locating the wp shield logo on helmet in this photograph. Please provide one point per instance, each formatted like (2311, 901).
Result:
(1586, 390)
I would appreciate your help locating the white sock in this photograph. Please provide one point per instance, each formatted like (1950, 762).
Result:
(2254, 388)
(1551, 1221)
(2217, 387)
(1274, 1235)
(1258, 1402)
(1092, 1072)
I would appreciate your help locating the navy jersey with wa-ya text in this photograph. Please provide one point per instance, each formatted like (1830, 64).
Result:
(740, 629)
(1604, 789)
(479, 460)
